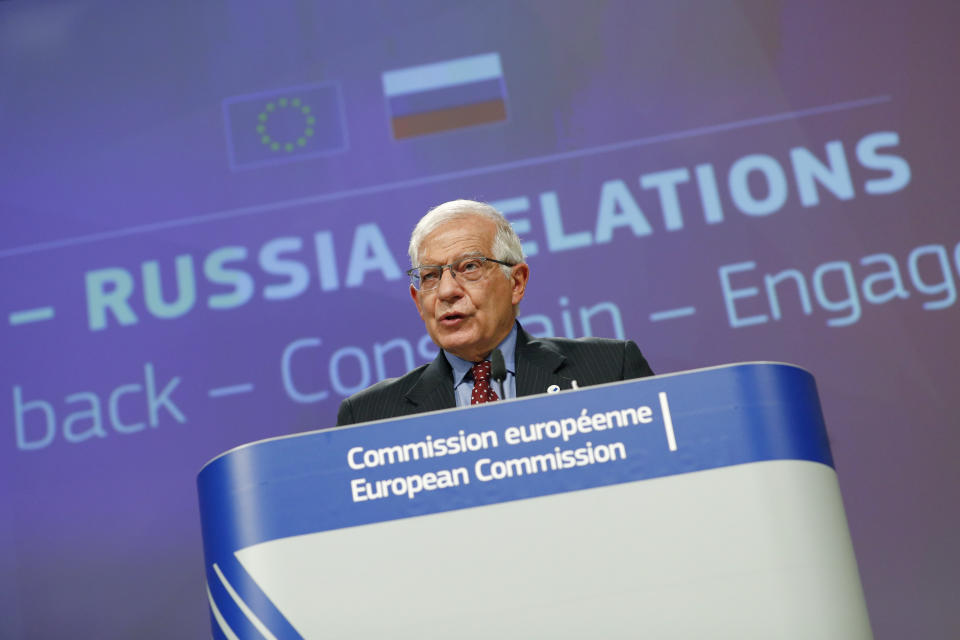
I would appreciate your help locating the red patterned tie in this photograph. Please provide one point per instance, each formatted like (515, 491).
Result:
(482, 391)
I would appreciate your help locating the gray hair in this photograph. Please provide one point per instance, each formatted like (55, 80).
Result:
(506, 243)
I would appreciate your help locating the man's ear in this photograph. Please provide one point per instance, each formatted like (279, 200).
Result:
(519, 276)
(416, 300)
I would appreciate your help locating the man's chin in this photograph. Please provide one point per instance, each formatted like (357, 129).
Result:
(460, 346)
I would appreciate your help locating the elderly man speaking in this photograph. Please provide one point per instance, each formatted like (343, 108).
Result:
(467, 279)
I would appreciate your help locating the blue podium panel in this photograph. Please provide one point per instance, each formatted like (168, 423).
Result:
(700, 504)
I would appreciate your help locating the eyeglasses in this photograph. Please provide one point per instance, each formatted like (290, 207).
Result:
(427, 277)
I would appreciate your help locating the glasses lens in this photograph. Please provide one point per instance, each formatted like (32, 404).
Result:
(465, 270)
(429, 277)
(470, 269)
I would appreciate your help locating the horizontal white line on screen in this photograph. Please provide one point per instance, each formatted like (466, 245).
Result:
(672, 313)
(30, 315)
(231, 390)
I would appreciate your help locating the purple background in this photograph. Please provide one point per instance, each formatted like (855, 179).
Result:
(115, 152)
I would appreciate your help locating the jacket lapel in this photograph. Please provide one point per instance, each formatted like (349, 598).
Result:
(434, 389)
(538, 364)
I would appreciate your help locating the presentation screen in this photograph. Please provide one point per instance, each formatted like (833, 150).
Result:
(206, 209)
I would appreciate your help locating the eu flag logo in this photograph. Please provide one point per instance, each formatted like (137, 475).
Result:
(447, 95)
(286, 125)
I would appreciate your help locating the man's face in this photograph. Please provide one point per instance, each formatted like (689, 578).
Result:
(468, 319)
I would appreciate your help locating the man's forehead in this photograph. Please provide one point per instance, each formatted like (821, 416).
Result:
(457, 239)
(427, 260)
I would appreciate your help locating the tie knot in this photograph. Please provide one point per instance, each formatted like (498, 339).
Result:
(482, 391)
(481, 370)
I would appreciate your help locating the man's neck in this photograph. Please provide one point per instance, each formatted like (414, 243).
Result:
(507, 347)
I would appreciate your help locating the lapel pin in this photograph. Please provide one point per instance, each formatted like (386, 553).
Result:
(553, 388)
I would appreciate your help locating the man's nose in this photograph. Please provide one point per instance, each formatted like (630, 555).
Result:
(449, 286)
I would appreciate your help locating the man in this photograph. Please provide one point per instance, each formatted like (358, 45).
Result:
(467, 280)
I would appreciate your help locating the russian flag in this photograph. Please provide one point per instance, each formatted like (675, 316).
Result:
(445, 95)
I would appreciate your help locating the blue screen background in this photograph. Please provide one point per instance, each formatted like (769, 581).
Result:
(721, 182)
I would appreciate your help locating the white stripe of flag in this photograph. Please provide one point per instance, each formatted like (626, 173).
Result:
(438, 75)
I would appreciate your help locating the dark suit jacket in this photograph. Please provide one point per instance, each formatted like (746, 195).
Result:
(540, 362)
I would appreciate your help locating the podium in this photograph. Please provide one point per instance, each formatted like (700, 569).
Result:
(701, 504)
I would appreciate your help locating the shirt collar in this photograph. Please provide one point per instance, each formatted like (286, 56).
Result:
(507, 347)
